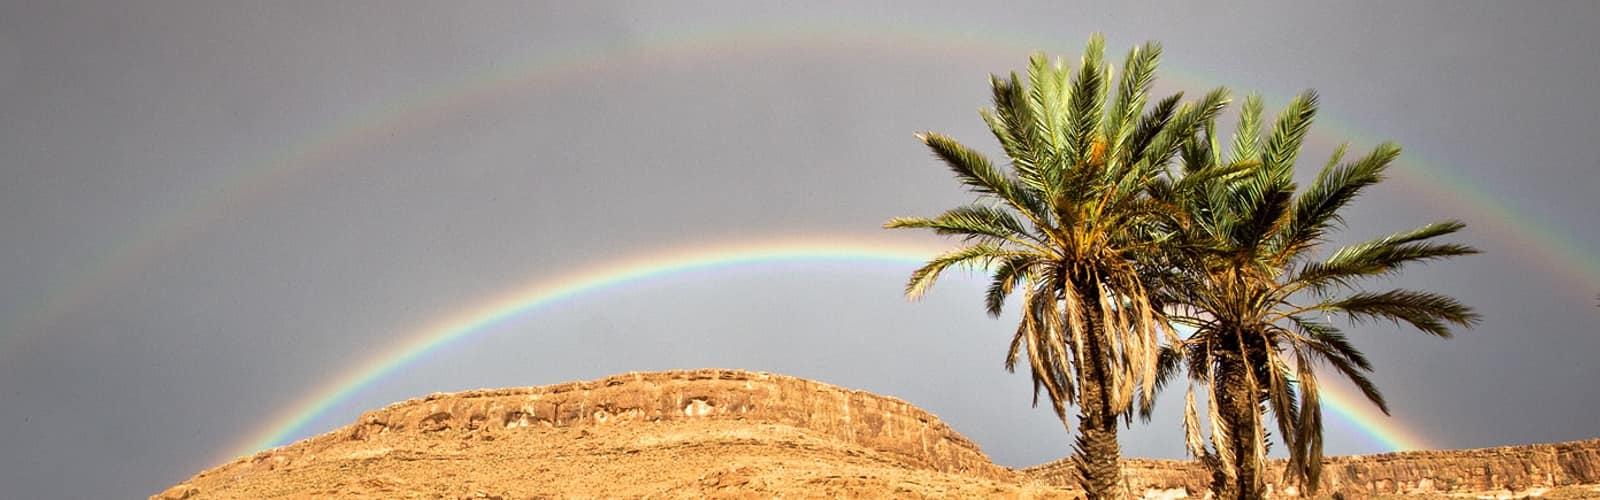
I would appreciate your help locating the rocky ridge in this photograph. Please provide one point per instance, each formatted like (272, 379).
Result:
(1503, 472)
(732, 433)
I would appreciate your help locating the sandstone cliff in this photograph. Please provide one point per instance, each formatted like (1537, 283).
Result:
(1504, 472)
(730, 433)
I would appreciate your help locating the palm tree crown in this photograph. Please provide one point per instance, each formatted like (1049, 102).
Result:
(1068, 224)
(1260, 300)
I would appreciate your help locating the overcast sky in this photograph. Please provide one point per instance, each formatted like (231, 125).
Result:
(211, 209)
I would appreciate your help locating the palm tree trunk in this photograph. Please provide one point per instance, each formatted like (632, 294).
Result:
(1098, 457)
(1235, 399)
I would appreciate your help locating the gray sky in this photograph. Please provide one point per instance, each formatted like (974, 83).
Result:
(214, 209)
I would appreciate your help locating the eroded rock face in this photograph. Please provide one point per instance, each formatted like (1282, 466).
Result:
(1504, 472)
(859, 417)
(1508, 471)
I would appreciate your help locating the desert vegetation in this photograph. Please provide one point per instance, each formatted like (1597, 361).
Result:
(1143, 250)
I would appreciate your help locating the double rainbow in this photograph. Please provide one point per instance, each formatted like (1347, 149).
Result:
(1538, 242)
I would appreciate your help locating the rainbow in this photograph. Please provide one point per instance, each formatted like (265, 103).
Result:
(521, 302)
(1539, 243)
(1384, 431)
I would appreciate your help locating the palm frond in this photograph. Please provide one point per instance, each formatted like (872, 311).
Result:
(1168, 363)
(1002, 120)
(1186, 122)
(972, 169)
(1306, 447)
(1261, 205)
(1221, 440)
(1247, 133)
(1288, 133)
(1317, 209)
(980, 176)
(1193, 441)
(974, 257)
(1330, 341)
(1281, 397)
(1048, 104)
(972, 222)
(1429, 312)
(1150, 125)
(1380, 257)
(1010, 272)
(1086, 100)
(1138, 75)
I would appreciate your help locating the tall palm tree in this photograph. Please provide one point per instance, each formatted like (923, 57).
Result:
(1066, 225)
(1261, 301)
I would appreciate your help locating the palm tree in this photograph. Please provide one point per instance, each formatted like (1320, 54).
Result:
(1067, 225)
(1261, 301)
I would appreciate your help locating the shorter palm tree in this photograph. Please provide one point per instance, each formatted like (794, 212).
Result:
(1260, 301)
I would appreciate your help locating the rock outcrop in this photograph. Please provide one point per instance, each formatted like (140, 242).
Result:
(1503, 472)
(858, 417)
(749, 434)
(1508, 472)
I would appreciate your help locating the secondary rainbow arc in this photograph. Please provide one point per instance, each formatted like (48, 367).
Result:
(1542, 243)
(521, 301)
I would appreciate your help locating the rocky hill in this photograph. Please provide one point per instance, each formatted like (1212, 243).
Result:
(729, 433)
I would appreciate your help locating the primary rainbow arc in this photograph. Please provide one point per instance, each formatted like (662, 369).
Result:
(534, 296)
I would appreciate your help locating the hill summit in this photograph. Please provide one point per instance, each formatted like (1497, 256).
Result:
(732, 433)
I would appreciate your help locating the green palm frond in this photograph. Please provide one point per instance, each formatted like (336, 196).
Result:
(1288, 133)
(1002, 119)
(1138, 75)
(1247, 133)
(1186, 122)
(1047, 101)
(1263, 204)
(1379, 257)
(975, 257)
(970, 166)
(1150, 126)
(1429, 312)
(1197, 153)
(975, 171)
(1086, 103)
(1012, 123)
(1360, 380)
(1317, 209)
(972, 222)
